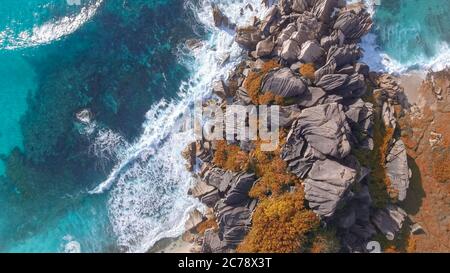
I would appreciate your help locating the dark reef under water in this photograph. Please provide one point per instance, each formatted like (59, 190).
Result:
(116, 65)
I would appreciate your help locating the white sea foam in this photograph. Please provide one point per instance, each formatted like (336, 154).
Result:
(147, 189)
(49, 31)
(383, 62)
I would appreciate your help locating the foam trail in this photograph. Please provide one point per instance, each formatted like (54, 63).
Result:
(49, 31)
(382, 62)
(148, 189)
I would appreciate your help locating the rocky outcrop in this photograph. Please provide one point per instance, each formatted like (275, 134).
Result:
(326, 185)
(344, 55)
(323, 9)
(265, 47)
(352, 86)
(389, 220)
(248, 37)
(327, 115)
(220, 19)
(311, 52)
(353, 24)
(325, 128)
(226, 192)
(360, 116)
(397, 169)
(284, 83)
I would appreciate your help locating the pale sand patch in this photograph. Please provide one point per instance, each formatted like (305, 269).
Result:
(411, 83)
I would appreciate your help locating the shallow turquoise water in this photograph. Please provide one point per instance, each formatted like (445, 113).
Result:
(414, 32)
(117, 64)
(18, 80)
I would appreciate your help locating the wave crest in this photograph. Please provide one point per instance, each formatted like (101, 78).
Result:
(49, 31)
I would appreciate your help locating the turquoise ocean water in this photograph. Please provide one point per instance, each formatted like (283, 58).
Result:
(56, 59)
(409, 34)
(118, 58)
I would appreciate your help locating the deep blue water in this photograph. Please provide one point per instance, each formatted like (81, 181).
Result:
(117, 65)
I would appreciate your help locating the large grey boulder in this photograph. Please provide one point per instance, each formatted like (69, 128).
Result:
(248, 37)
(344, 55)
(389, 220)
(200, 188)
(346, 86)
(239, 189)
(332, 82)
(284, 83)
(234, 224)
(353, 24)
(218, 178)
(286, 33)
(265, 47)
(270, 18)
(337, 38)
(326, 185)
(360, 117)
(210, 199)
(326, 129)
(397, 169)
(354, 221)
(323, 9)
(311, 52)
(298, 154)
(308, 27)
(328, 68)
(300, 6)
(212, 243)
(290, 50)
(313, 96)
(288, 114)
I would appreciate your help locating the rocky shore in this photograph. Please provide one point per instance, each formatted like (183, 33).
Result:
(342, 151)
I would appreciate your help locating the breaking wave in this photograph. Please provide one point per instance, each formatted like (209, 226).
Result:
(148, 188)
(379, 60)
(49, 31)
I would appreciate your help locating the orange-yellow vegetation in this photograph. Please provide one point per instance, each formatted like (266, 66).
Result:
(281, 224)
(325, 241)
(272, 171)
(203, 226)
(403, 242)
(230, 157)
(253, 82)
(269, 98)
(307, 71)
(440, 166)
